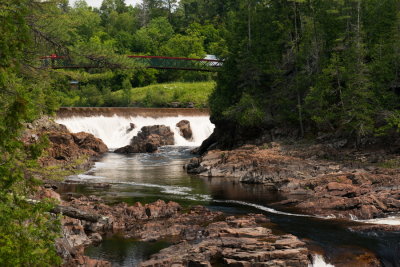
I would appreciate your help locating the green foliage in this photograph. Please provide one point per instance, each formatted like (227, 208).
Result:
(390, 163)
(247, 112)
(161, 95)
(27, 233)
(149, 39)
(322, 66)
(392, 120)
(103, 37)
(184, 46)
(27, 230)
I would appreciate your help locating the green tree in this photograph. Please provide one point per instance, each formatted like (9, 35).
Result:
(27, 230)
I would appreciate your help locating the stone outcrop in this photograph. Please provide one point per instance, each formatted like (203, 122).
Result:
(202, 237)
(132, 126)
(145, 222)
(234, 242)
(75, 234)
(315, 186)
(86, 219)
(64, 147)
(185, 130)
(44, 124)
(149, 139)
(73, 242)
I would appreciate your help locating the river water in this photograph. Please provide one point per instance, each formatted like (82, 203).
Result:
(149, 177)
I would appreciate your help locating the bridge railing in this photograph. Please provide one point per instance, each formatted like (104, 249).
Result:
(178, 63)
(54, 61)
(155, 62)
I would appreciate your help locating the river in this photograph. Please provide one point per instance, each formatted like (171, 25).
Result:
(149, 177)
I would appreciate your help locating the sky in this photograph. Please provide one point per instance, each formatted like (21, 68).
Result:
(97, 3)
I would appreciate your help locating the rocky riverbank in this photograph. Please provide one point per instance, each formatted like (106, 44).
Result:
(64, 153)
(202, 237)
(235, 241)
(63, 149)
(348, 185)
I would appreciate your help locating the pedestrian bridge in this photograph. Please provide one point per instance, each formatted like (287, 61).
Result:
(152, 62)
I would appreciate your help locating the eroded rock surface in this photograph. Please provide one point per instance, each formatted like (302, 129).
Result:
(202, 237)
(234, 242)
(158, 219)
(65, 147)
(149, 139)
(316, 186)
(86, 219)
(185, 130)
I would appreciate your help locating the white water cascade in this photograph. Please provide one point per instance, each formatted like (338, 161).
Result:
(319, 261)
(114, 130)
(392, 220)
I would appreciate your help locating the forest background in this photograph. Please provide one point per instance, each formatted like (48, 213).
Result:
(313, 66)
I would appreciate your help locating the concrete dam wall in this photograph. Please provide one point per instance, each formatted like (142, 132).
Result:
(66, 112)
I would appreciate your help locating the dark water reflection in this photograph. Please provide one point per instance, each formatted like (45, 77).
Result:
(123, 252)
(149, 177)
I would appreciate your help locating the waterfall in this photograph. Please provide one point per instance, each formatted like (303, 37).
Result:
(114, 130)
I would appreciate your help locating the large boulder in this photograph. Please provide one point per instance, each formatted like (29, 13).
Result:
(149, 139)
(185, 129)
(67, 147)
(90, 142)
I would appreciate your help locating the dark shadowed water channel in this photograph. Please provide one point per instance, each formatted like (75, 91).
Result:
(149, 177)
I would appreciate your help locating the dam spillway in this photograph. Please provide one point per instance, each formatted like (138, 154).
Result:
(112, 125)
(67, 112)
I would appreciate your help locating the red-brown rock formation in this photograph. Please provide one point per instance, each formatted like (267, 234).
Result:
(149, 139)
(313, 185)
(185, 129)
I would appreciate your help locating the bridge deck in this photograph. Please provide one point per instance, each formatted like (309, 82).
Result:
(154, 62)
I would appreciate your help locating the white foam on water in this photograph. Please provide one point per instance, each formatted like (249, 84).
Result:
(168, 189)
(199, 197)
(353, 217)
(114, 130)
(81, 177)
(392, 220)
(181, 191)
(263, 208)
(319, 261)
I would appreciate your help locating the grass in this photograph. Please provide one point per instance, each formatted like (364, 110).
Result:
(390, 163)
(162, 95)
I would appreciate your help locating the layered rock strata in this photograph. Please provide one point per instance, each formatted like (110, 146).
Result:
(234, 242)
(202, 237)
(316, 186)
